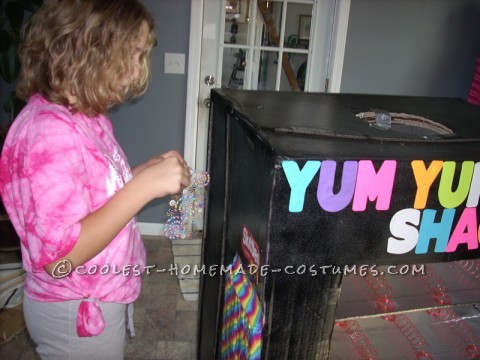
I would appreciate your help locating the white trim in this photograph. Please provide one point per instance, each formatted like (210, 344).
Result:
(323, 19)
(194, 57)
(340, 39)
(220, 44)
(153, 229)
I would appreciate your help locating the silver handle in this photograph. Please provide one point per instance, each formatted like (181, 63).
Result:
(209, 80)
(207, 102)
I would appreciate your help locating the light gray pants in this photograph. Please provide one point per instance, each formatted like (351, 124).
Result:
(53, 327)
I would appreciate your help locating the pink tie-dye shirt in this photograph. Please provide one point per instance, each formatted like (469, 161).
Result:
(57, 167)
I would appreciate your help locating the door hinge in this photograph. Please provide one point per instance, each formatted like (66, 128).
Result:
(326, 84)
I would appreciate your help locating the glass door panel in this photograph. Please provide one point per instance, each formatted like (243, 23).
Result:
(269, 19)
(297, 25)
(265, 43)
(266, 70)
(233, 69)
(237, 18)
(298, 63)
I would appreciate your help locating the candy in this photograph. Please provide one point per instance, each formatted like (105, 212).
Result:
(186, 211)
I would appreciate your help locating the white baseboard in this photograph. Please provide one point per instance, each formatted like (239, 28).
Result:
(154, 229)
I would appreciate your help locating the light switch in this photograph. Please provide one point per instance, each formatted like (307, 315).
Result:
(174, 63)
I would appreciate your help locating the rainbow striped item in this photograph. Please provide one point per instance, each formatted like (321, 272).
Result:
(242, 316)
(474, 93)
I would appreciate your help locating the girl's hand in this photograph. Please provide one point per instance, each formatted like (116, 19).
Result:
(167, 174)
(156, 159)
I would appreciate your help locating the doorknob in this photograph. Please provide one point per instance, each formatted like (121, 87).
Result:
(209, 80)
(207, 102)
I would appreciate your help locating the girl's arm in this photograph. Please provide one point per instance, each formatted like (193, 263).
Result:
(166, 176)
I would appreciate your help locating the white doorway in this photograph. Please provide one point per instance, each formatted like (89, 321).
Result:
(280, 45)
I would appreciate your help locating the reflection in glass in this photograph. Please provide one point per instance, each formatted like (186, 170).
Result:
(254, 27)
(298, 63)
(269, 16)
(297, 25)
(270, 13)
(236, 21)
(233, 69)
(267, 65)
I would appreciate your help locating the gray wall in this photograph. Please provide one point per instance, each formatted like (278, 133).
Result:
(155, 123)
(411, 47)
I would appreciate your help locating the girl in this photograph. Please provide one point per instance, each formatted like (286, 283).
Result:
(67, 185)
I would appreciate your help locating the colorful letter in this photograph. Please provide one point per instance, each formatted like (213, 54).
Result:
(474, 193)
(326, 198)
(298, 181)
(447, 197)
(429, 229)
(402, 227)
(372, 185)
(465, 232)
(424, 179)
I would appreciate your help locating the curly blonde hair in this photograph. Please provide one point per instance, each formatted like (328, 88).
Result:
(83, 48)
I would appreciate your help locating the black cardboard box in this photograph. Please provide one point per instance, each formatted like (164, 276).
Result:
(320, 186)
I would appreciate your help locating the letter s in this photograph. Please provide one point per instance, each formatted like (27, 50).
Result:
(404, 231)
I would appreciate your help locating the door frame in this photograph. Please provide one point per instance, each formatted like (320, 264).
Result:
(340, 26)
